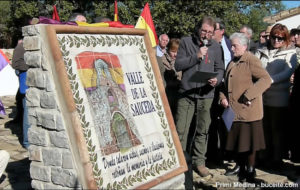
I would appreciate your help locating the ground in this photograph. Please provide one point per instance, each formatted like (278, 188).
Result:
(17, 174)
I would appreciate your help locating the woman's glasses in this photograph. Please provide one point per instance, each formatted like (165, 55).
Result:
(279, 38)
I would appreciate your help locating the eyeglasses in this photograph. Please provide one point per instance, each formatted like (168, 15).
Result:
(296, 33)
(279, 38)
(263, 36)
(206, 32)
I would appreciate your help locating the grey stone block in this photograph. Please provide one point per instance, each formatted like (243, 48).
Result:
(39, 172)
(59, 139)
(49, 84)
(31, 30)
(38, 136)
(59, 123)
(35, 184)
(52, 186)
(33, 58)
(46, 118)
(36, 78)
(32, 118)
(33, 97)
(52, 157)
(48, 100)
(64, 177)
(45, 62)
(35, 153)
(67, 160)
(32, 43)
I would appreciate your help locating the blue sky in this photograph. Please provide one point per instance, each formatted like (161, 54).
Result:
(291, 4)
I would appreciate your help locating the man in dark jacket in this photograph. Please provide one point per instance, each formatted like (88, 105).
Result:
(198, 53)
(218, 131)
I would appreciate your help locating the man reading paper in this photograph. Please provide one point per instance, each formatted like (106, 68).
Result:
(198, 53)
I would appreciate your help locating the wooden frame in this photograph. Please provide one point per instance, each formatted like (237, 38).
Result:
(168, 159)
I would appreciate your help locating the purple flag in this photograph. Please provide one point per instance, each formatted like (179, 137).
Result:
(45, 20)
(2, 110)
(3, 60)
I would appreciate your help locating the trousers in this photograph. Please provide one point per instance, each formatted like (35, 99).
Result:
(25, 124)
(187, 108)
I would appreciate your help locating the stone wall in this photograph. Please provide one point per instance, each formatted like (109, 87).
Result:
(52, 164)
(55, 162)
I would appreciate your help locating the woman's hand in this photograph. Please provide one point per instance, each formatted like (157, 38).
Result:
(292, 79)
(224, 103)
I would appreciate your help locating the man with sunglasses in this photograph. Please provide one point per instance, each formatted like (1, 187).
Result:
(294, 35)
(197, 53)
(297, 42)
(262, 39)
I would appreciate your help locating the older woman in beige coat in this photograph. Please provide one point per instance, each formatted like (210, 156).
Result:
(245, 81)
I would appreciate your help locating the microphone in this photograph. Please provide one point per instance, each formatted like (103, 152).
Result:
(205, 42)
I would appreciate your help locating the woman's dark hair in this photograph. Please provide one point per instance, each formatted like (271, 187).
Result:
(173, 44)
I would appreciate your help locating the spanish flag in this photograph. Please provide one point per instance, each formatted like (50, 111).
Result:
(87, 71)
(117, 24)
(55, 14)
(145, 22)
(116, 12)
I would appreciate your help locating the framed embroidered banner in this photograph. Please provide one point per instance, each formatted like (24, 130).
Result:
(116, 105)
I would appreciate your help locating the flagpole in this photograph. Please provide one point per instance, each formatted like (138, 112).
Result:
(116, 12)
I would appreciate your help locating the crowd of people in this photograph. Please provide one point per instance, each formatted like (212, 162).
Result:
(257, 80)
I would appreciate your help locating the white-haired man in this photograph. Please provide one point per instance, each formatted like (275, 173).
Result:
(161, 49)
(252, 47)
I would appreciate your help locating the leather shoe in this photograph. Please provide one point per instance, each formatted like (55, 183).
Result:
(202, 171)
(251, 173)
(233, 171)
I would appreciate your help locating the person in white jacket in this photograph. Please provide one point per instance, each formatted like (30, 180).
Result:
(279, 59)
(4, 158)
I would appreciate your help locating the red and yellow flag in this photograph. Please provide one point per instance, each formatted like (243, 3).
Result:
(55, 14)
(145, 22)
(116, 12)
(116, 24)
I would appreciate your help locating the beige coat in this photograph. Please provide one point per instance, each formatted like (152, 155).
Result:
(280, 64)
(248, 78)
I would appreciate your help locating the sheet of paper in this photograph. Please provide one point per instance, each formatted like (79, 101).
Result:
(201, 76)
(228, 117)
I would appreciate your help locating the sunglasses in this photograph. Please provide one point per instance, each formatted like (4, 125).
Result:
(279, 39)
(296, 33)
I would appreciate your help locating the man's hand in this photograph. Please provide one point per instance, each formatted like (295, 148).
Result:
(202, 52)
(213, 81)
(224, 103)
